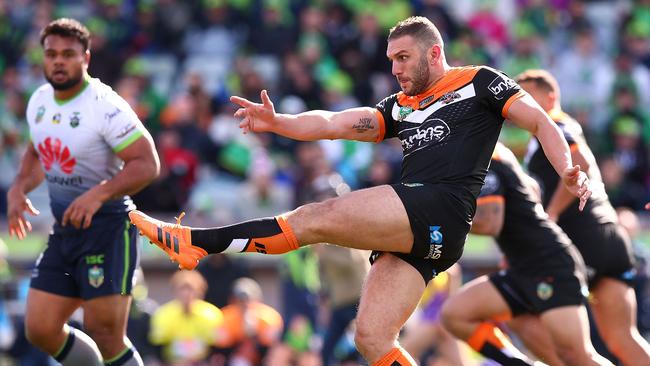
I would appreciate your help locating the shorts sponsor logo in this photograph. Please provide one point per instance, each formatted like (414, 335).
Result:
(500, 85)
(544, 290)
(95, 259)
(435, 246)
(95, 276)
(629, 274)
(431, 131)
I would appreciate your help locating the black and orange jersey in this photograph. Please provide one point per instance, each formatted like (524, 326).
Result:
(448, 132)
(597, 210)
(530, 241)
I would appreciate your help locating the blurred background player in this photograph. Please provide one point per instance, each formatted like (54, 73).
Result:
(545, 275)
(93, 151)
(604, 245)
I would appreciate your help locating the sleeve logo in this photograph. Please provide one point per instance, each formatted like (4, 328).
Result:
(500, 85)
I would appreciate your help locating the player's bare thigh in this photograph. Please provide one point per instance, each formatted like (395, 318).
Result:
(46, 313)
(372, 218)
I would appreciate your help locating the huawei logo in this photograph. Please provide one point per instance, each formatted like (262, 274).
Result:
(52, 151)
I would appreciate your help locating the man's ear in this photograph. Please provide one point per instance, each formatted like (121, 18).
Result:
(435, 52)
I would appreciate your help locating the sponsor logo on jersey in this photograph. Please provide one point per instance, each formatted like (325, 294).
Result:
(95, 276)
(56, 118)
(424, 102)
(449, 97)
(433, 130)
(125, 130)
(500, 85)
(40, 112)
(75, 119)
(109, 116)
(411, 185)
(544, 290)
(435, 246)
(52, 151)
(404, 111)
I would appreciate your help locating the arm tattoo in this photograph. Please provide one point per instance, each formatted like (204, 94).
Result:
(363, 125)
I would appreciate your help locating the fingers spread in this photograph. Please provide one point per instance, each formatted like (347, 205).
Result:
(264, 95)
(241, 101)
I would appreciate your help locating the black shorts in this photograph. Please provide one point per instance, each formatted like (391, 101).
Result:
(606, 250)
(89, 263)
(526, 294)
(439, 223)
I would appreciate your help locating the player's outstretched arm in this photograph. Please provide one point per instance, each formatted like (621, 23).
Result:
(527, 114)
(360, 124)
(30, 175)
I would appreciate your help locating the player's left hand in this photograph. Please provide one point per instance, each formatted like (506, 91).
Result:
(577, 183)
(81, 211)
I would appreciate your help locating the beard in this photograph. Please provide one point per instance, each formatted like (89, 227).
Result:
(64, 85)
(421, 78)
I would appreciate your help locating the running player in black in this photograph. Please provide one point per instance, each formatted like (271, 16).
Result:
(448, 120)
(604, 245)
(545, 275)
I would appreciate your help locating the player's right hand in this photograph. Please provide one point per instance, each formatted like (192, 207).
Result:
(17, 204)
(255, 117)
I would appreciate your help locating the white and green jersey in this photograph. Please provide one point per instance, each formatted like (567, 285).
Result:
(77, 140)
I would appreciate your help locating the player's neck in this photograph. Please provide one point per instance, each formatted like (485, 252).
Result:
(441, 72)
(67, 94)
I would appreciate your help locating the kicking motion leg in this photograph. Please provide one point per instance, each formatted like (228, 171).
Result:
(372, 218)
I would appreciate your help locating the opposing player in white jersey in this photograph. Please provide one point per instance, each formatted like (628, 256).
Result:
(92, 150)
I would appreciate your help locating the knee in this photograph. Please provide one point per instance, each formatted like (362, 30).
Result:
(104, 334)
(449, 317)
(311, 222)
(373, 342)
(41, 333)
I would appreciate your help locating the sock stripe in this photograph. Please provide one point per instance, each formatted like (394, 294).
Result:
(237, 246)
(288, 232)
(67, 346)
(480, 336)
(121, 358)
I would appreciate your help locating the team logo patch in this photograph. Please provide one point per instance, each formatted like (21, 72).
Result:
(52, 151)
(95, 276)
(75, 119)
(56, 118)
(435, 238)
(404, 111)
(449, 97)
(39, 114)
(544, 290)
(500, 85)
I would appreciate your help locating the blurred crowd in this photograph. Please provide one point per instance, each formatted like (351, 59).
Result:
(176, 62)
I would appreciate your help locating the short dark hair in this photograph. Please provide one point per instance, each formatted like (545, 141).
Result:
(542, 79)
(68, 28)
(417, 27)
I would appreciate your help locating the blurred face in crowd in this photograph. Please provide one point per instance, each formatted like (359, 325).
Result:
(65, 61)
(186, 294)
(411, 64)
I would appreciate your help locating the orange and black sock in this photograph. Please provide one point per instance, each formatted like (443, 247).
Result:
(489, 341)
(271, 235)
(396, 357)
